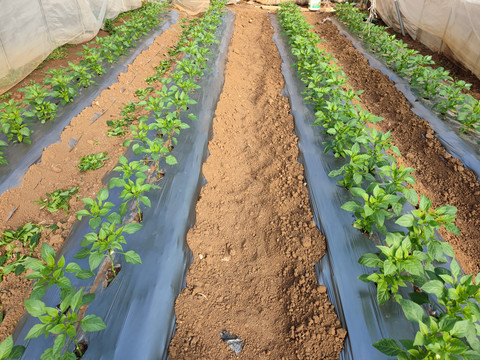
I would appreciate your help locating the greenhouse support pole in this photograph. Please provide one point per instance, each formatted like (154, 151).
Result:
(399, 17)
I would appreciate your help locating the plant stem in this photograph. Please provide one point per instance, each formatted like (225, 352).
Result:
(111, 263)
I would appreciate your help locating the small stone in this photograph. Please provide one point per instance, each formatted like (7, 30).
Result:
(250, 21)
(200, 256)
(57, 168)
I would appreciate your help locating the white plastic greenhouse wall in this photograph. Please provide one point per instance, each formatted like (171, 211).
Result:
(31, 29)
(449, 26)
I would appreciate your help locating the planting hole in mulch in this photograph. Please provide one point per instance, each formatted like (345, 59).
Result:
(80, 350)
(110, 275)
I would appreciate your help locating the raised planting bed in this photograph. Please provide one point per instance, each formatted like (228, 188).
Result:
(434, 94)
(80, 85)
(161, 171)
(408, 251)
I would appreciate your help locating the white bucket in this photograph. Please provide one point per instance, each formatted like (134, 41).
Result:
(314, 5)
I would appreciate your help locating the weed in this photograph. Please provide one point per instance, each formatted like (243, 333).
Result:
(57, 200)
(92, 161)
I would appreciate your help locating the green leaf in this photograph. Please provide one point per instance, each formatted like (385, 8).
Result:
(146, 201)
(95, 259)
(456, 270)
(82, 254)
(72, 268)
(411, 196)
(57, 329)
(94, 222)
(35, 331)
(59, 343)
(435, 287)
(452, 228)
(88, 298)
(358, 192)
(383, 295)
(447, 249)
(116, 182)
(368, 210)
(388, 347)
(369, 260)
(475, 309)
(350, 206)
(171, 160)
(389, 268)
(77, 300)
(34, 307)
(102, 194)
(92, 323)
(425, 203)
(123, 208)
(461, 328)
(17, 352)
(406, 220)
(131, 228)
(84, 274)
(412, 311)
(47, 251)
(6, 347)
(132, 257)
(38, 292)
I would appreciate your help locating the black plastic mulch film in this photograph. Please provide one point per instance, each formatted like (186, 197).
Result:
(355, 301)
(21, 156)
(138, 306)
(463, 147)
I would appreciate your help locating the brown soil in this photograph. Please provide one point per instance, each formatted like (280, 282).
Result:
(58, 169)
(254, 241)
(439, 176)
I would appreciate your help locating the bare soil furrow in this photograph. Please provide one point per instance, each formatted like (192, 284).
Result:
(254, 241)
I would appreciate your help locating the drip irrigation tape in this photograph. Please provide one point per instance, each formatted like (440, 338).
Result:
(138, 306)
(21, 156)
(354, 300)
(446, 131)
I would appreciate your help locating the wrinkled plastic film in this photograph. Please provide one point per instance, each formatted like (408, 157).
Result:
(446, 132)
(446, 26)
(354, 300)
(138, 306)
(31, 29)
(21, 156)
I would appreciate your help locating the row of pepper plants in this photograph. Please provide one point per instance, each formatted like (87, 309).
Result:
(434, 84)
(42, 101)
(380, 189)
(153, 140)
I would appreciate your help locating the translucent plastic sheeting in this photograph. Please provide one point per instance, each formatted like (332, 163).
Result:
(355, 301)
(193, 7)
(448, 26)
(445, 131)
(138, 306)
(31, 29)
(21, 156)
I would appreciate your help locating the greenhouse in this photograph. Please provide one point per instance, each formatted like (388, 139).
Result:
(214, 179)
